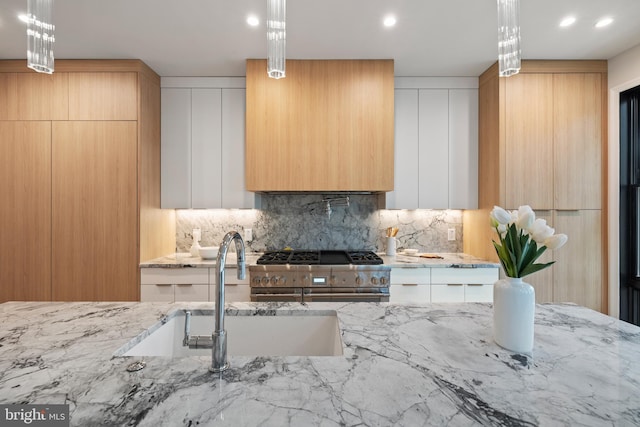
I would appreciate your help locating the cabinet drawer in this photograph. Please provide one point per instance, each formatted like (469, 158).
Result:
(191, 292)
(478, 293)
(464, 275)
(156, 293)
(447, 293)
(418, 276)
(174, 276)
(416, 294)
(233, 293)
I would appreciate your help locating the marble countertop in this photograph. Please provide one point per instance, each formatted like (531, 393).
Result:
(402, 365)
(456, 260)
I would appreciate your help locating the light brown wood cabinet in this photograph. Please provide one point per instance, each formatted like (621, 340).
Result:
(327, 126)
(542, 140)
(84, 180)
(95, 219)
(25, 210)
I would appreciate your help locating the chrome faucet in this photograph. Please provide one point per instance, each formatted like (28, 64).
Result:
(219, 338)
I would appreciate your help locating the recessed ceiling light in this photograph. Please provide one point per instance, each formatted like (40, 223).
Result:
(604, 22)
(23, 18)
(569, 20)
(389, 21)
(253, 21)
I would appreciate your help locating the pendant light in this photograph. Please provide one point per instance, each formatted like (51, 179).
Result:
(40, 37)
(276, 38)
(508, 37)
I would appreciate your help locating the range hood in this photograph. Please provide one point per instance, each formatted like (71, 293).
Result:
(328, 127)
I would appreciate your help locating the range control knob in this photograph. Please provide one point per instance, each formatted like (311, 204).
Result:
(274, 280)
(265, 280)
(256, 280)
(358, 280)
(282, 280)
(383, 280)
(374, 280)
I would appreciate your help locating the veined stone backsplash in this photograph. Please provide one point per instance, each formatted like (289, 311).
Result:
(301, 222)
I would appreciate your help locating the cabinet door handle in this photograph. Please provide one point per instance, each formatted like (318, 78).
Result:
(454, 284)
(409, 284)
(184, 284)
(164, 284)
(475, 284)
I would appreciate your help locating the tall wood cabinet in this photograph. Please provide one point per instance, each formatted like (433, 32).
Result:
(80, 158)
(25, 210)
(542, 140)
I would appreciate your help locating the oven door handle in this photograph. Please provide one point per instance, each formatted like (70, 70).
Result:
(278, 295)
(343, 294)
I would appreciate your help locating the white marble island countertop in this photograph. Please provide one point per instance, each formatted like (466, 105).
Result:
(402, 365)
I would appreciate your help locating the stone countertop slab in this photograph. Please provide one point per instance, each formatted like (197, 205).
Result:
(447, 260)
(403, 365)
(185, 260)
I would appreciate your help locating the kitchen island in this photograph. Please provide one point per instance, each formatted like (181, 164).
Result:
(434, 364)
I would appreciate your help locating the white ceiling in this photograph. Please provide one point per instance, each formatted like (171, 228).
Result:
(431, 38)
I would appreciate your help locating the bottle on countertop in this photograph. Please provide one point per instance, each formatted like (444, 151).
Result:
(195, 247)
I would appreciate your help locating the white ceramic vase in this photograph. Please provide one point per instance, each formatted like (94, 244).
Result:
(514, 304)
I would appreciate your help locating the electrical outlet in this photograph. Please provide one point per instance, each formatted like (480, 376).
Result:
(451, 234)
(248, 234)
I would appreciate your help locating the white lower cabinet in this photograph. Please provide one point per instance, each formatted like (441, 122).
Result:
(463, 284)
(409, 293)
(450, 292)
(190, 284)
(421, 285)
(410, 285)
(478, 292)
(235, 290)
(168, 285)
(156, 293)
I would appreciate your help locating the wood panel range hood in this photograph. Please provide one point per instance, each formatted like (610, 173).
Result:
(327, 127)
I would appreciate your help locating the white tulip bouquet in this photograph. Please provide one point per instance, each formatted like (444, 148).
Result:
(523, 239)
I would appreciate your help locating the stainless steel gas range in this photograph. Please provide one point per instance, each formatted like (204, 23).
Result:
(307, 276)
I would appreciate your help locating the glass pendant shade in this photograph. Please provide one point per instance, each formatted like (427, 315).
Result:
(40, 37)
(508, 37)
(276, 38)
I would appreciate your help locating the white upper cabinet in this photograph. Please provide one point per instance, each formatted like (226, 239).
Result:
(436, 144)
(176, 148)
(206, 148)
(463, 149)
(433, 150)
(234, 194)
(407, 164)
(203, 143)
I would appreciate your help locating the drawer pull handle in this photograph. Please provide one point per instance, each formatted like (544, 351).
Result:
(475, 284)
(454, 284)
(409, 284)
(184, 284)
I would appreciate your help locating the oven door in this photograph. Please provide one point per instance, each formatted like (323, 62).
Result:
(269, 294)
(346, 295)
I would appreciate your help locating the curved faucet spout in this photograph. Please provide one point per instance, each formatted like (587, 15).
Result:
(219, 357)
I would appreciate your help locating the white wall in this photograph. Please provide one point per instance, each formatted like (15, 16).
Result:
(624, 73)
